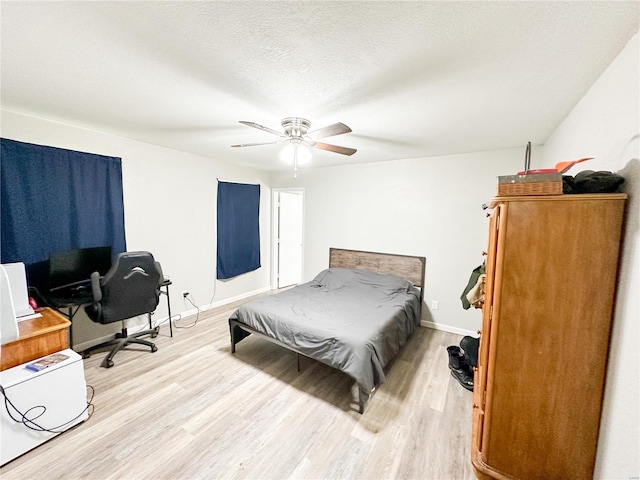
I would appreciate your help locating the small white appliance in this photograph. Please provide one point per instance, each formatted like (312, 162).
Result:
(57, 392)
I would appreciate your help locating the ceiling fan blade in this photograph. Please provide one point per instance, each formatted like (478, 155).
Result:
(334, 148)
(330, 131)
(256, 144)
(264, 129)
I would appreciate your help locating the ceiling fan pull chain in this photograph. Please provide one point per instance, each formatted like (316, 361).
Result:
(295, 162)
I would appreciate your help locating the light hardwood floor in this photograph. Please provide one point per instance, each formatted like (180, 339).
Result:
(192, 410)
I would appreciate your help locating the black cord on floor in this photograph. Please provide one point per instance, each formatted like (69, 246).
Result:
(31, 424)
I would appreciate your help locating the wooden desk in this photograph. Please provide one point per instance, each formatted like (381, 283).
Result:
(37, 338)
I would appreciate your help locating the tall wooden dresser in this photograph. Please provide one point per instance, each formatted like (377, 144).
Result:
(551, 276)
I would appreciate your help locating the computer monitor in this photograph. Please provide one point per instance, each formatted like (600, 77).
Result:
(72, 268)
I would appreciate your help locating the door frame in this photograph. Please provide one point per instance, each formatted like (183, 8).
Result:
(274, 232)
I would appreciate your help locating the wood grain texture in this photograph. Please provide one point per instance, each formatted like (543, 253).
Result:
(547, 319)
(37, 337)
(409, 267)
(192, 410)
(405, 266)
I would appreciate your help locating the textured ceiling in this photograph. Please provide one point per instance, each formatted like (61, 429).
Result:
(412, 79)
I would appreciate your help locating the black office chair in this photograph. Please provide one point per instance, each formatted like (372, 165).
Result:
(131, 287)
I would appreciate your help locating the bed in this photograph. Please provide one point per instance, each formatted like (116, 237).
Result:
(354, 316)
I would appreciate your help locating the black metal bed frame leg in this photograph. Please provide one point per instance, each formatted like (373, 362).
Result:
(363, 393)
(363, 396)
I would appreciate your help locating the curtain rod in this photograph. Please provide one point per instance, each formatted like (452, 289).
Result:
(233, 181)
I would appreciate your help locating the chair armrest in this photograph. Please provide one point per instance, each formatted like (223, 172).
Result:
(159, 268)
(95, 287)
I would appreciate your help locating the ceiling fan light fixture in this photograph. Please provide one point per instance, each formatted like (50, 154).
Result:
(293, 149)
(298, 140)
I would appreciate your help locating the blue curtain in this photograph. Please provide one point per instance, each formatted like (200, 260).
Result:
(55, 199)
(238, 229)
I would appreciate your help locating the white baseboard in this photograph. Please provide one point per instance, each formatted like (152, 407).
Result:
(448, 328)
(220, 303)
(163, 320)
(226, 301)
(423, 323)
(80, 347)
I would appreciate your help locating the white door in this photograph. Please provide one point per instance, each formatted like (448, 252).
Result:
(289, 238)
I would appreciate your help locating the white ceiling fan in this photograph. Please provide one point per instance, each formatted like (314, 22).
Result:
(295, 132)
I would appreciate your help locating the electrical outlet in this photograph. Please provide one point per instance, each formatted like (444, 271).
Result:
(185, 294)
(434, 304)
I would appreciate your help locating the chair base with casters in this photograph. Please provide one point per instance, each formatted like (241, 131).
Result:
(123, 340)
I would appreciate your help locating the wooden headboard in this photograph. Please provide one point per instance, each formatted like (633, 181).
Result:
(408, 267)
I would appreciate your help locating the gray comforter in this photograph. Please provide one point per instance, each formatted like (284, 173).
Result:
(353, 320)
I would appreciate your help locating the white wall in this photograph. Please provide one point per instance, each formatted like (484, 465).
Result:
(606, 125)
(429, 207)
(170, 208)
